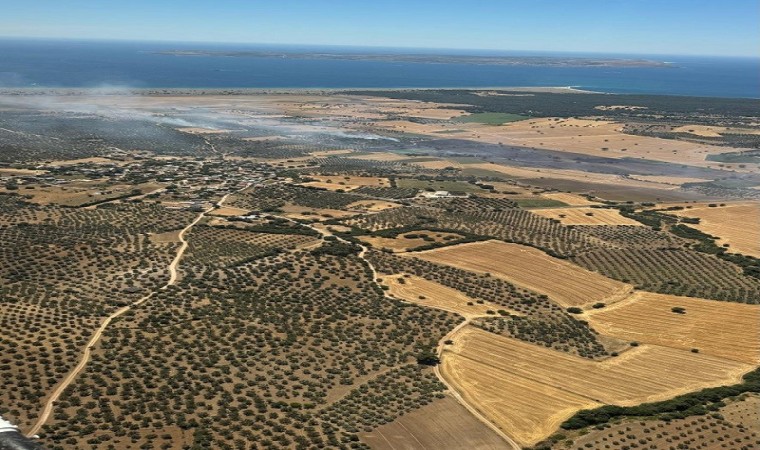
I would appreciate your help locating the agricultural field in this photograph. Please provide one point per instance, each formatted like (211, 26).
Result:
(585, 216)
(734, 425)
(345, 183)
(412, 240)
(726, 330)
(281, 272)
(565, 283)
(547, 387)
(736, 225)
(441, 424)
(569, 198)
(427, 293)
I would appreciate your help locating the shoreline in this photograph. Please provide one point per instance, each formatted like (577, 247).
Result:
(116, 91)
(159, 91)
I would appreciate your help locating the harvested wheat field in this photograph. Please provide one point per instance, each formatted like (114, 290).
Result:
(727, 330)
(414, 289)
(712, 131)
(563, 282)
(569, 198)
(527, 390)
(586, 216)
(404, 242)
(736, 224)
(442, 424)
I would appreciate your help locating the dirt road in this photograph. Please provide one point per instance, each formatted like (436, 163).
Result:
(71, 376)
(458, 397)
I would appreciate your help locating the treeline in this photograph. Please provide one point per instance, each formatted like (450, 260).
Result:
(692, 404)
(275, 226)
(706, 244)
(545, 104)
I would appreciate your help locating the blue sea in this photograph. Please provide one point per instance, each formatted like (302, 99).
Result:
(67, 63)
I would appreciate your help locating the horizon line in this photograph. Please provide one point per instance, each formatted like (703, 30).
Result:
(346, 46)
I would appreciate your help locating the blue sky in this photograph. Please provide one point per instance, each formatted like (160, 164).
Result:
(697, 27)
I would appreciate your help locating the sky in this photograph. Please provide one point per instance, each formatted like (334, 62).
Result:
(666, 27)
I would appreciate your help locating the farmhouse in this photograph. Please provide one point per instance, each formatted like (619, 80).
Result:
(437, 194)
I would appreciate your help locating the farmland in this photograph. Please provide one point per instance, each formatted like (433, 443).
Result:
(586, 216)
(442, 424)
(734, 425)
(548, 387)
(730, 331)
(367, 271)
(433, 295)
(569, 285)
(734, 224)
(409, 241)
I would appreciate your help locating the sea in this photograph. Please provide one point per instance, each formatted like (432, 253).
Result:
(93, 64)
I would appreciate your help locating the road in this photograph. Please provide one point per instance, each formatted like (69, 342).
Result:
(458, 397)
(71, 376)
(173, 274)
(450, 335)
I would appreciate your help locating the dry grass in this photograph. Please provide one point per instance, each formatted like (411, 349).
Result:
(712, 131)
(168, 236)
(570, 175)
(346, 183)
(570, 199)
(586, 216)
(563, 282)
(305, 212)
(420, 291)
(529, 390)
(228, 211)
(589, 137)
(442, 424)
(381, 156)
(675, 181)
(82, 192)
(440, 164)
(371, 205)
(727, 330)
(737, 225)
(402, 243)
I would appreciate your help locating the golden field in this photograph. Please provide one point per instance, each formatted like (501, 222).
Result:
(563, 282)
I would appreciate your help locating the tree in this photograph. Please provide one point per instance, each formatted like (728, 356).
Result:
(428, 358)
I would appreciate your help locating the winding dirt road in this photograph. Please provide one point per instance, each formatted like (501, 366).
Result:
(71, 376)
(47, 411)
(439, 351)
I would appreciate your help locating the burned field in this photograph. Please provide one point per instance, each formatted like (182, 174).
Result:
(301, 271)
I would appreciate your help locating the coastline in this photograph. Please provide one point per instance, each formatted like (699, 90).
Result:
(116, 91)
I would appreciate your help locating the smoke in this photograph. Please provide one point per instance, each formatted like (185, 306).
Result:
(117, 104)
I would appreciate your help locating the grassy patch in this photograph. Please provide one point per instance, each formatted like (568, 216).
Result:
(491, 118)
